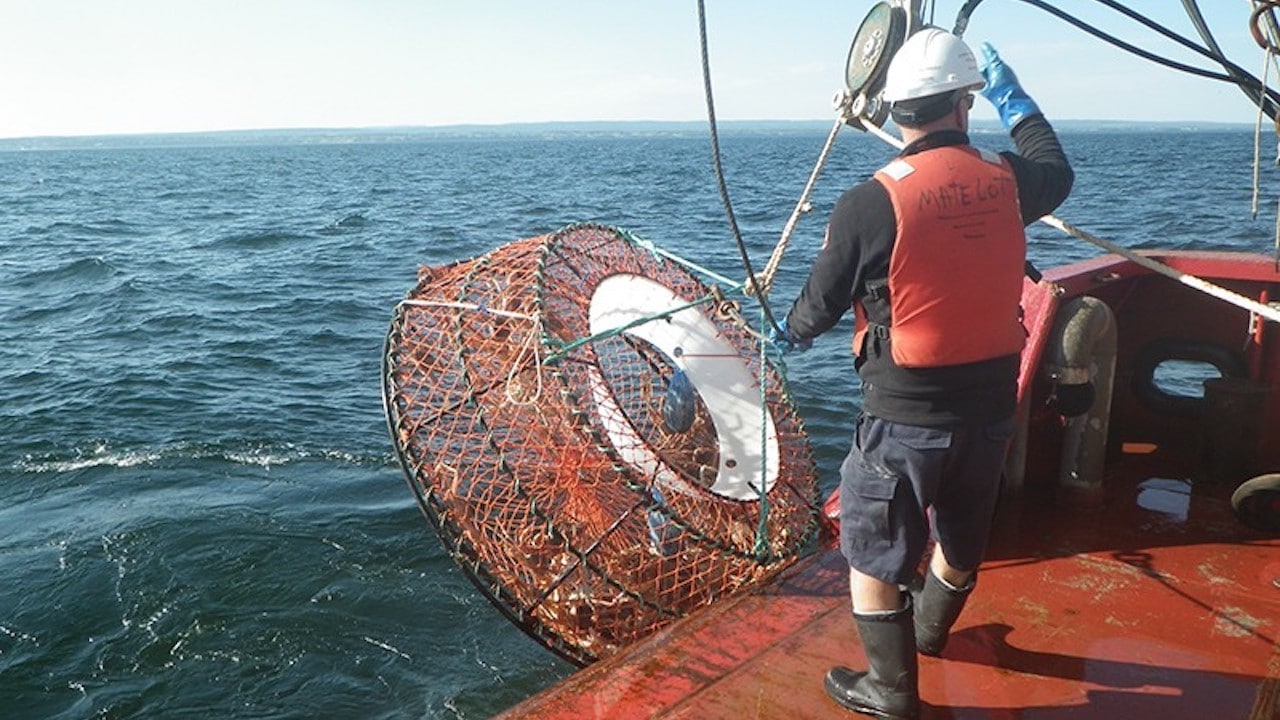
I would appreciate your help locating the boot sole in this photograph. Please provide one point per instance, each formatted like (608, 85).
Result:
(848, 704)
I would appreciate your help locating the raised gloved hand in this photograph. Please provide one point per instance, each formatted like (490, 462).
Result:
(1002, 89)
(782, 339)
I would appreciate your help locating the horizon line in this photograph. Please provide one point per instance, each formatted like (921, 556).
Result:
(542, 125)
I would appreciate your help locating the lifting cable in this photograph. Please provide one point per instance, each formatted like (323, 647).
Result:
(1268, 39)
(1257, 91)
(1265, 98)
(753, 284)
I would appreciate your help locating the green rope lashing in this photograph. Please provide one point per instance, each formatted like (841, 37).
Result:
(762, 530)
(564, 348)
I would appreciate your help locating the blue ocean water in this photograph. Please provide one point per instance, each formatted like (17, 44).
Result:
(202, 514)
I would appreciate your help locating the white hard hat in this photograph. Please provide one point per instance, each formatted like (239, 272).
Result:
(931, 62)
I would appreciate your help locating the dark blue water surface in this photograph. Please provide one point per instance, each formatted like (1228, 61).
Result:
(202, 514)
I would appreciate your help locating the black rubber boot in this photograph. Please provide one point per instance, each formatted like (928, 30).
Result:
(937, 607)
(889, 688)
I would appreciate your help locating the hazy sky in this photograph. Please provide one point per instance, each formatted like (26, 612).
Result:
(74, 67)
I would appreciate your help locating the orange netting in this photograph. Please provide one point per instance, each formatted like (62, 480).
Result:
(513, 421)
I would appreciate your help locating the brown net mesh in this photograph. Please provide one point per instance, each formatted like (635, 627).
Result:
(535, 442)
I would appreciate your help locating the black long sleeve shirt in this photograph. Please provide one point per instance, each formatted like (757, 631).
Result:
(859, 244)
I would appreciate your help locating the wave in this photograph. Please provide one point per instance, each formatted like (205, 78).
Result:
(349, 223)
(261, 454)
(260, 239)
(80, 269)
(111, 227)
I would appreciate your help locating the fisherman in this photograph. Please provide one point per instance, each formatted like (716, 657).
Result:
(930, 254)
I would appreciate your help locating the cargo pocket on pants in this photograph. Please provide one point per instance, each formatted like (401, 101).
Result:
(875, 491)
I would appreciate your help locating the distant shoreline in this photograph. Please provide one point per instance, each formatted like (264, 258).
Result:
(539, 129)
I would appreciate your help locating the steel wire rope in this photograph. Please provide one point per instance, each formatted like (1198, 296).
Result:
(962, 17)
(754, 286)
(752, 281)
(1268, 40)
(1210, 49)
(1257, 94)
(1255, 88)
(1129, 47)
(1252, 86)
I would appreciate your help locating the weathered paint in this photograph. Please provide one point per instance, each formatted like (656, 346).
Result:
(1145, 606)
(1094, 616)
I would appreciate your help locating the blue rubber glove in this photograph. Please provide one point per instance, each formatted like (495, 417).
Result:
(1002, 89)
(786, 342)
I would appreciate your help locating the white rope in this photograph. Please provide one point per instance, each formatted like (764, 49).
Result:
(527, 346)
(879, 132)
(1265, 311)
(1268, 61)
(1268, 55)
(765, 278)
(1257, 140)
(468, 306)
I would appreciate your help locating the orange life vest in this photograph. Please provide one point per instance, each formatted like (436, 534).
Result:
(955, 274)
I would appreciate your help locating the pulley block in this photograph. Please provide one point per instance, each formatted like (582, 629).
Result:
(879, 36)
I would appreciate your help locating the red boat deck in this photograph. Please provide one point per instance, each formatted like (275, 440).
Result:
(1152, 602)
(1158, 604)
